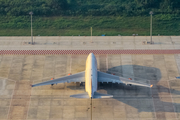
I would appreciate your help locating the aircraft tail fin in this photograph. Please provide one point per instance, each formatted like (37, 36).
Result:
(100, 95)
(82, 95)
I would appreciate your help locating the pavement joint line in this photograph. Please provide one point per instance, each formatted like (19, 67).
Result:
(172, 79)
(177, 62)
(29, 104)
(98, 63)
(54, 66)
(129, 99)
(170, 90)
(48, 77)
(172, 42)
(153, 104)
(70, 63)
(13, 89)
(32, 67)
(152, 94)
(22, 66)
(31, 88)
(172, 101)
(11, 100)
(7, 79)
(107, 62)
(126, 114)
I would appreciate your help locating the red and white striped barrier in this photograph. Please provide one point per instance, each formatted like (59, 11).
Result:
(59, 52)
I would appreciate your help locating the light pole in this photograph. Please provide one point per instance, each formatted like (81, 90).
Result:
(151, 12)
(31, 13)
(91, 34)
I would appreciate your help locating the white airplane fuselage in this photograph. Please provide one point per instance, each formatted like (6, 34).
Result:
(91, 75)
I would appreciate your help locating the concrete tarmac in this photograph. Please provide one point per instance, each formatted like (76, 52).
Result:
(18, 101)
(88, 43)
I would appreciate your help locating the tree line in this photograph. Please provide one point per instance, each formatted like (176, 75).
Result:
(88, 7)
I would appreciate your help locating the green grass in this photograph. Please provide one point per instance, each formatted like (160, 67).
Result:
(108, 25)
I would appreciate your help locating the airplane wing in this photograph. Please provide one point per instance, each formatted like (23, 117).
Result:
(104, 77)
(79, 77)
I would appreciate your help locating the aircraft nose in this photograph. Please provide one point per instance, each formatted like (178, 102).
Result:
(91, 54)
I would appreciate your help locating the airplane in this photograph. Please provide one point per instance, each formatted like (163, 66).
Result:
(91, 76)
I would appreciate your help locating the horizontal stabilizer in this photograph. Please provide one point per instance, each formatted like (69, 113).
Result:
(82, 95)
(100, 95)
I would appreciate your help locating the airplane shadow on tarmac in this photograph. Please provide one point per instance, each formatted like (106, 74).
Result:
(139, 97)
(143, 99)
